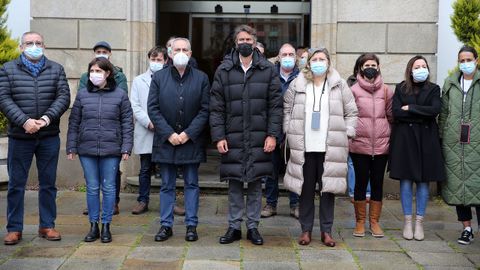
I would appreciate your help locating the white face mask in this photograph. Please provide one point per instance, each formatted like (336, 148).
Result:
(101, 55)
(97, 78)
(155, 66)
(180, 60)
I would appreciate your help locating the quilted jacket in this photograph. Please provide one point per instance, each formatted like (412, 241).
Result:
(462, 161)
(341, 126)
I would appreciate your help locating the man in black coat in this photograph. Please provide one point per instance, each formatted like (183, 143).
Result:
(245, 121)
(178, 108)
(34, 94)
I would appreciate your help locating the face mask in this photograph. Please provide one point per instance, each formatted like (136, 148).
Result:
(318, 68)
(97, 78)
(420, 75)
(370, 73)
(101, 56)
(245, 49)
(155, 66)
(34, 52)
(468, 67)
(287, 63)
(169, 51)
(180, 60)
(302, 62)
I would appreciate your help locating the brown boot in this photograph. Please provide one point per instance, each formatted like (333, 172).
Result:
(375, 211)
(140, 208)
(50, 234)
(12, 238)
(179, 211)
(116, 209)
(327, 239)
(305, 238)
(360, 216)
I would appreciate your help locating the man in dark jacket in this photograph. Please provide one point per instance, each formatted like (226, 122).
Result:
(287, 71)
(245, 121)
(178, 108)
(103, 49)
(34, 94)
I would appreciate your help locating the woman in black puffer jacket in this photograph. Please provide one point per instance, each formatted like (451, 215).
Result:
(100, 131)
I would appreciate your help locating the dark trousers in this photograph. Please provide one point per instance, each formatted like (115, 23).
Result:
(312, 174)
(369, 167)
(145, 178)
(464, 213)
(20, 155)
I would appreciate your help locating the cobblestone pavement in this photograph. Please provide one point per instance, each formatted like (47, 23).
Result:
(133, 246)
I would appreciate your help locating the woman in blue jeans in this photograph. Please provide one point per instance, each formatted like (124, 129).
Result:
(415, 153)
(100, 131)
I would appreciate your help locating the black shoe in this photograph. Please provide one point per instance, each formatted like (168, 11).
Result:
(163, 234)
(230, 236)
(254, 236)
(93, 234)
(465, 238)
(85, 212)
(191, 234)
(105, 235)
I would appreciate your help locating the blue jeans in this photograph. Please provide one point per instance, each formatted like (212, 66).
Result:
(100, 171)
(19, 160)
(351, 179)
(145, 178)
(271, 183)
(167, 193)
(406, 196)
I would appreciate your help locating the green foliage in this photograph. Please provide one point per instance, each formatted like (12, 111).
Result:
(465, 20)
(8, 50)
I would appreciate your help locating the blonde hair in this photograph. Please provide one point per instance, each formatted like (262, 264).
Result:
(307, 72)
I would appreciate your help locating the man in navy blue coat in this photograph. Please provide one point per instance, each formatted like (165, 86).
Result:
(178, 107)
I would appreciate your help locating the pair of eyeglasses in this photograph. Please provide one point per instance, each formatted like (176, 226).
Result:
(31, 43)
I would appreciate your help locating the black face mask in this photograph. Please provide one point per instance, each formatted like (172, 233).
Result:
(370, 73)
(245, 49)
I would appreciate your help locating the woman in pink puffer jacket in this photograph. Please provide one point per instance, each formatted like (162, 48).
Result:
(369, 149)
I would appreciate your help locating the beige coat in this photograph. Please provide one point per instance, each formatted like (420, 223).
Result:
(341, 123)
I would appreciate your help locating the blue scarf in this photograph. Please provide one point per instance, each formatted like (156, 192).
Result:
(35, 68)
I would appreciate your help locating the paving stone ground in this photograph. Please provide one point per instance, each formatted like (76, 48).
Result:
(133, 246)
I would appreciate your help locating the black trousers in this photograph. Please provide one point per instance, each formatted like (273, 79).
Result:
(464, 213)
(312, 174)
(369, 168)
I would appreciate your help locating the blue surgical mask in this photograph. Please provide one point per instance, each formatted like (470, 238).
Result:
(34, 52)
(287, 62)
(155, 66)
(468, 67)
(101, 55)
(169, 51)
(420, 74)
(319, 68)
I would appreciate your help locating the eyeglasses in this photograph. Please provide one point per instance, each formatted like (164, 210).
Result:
(31, 43)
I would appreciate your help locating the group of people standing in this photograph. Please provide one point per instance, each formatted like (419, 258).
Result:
(255, 110)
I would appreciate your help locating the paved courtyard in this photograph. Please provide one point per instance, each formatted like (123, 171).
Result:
(133, 246)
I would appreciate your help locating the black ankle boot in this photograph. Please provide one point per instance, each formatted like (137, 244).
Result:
(94, 232)
(106, 236)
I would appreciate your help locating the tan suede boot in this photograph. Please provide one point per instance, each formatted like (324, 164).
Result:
(407, 227)
(360, 216)
(375, 211)
(419, 235)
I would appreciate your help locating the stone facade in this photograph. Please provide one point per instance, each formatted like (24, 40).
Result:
(395, 30)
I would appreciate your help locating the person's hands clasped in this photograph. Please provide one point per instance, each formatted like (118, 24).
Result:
(173, 139)
(31, 126)
(270, 143)
(183, 137)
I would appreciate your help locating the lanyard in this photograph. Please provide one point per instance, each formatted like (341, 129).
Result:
(315, 98)
(464, 99)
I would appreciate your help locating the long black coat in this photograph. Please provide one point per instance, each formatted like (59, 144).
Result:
(244, 110)
(415, 151)
(175, 105)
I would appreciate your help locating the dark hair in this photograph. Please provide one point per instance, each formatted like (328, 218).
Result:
(409, 89)
(466, 48)
(155, 51)
(364, 58)
(106, 66)
(357, 65)
(245, 28)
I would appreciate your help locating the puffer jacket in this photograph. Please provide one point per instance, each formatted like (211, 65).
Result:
(341, 126)
(100, 123)
(374, 103)
(244, 110)
(462, 161)
(23, 96)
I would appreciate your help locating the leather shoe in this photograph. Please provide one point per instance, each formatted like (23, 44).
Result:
(116, 210)
(106, 235)
(93, 234)
(50, 234)
(12, 238)
(140, 208)
(163, 234)
(305, 238)
(230, 236)
(85, 212)
(191, 234)
(254, 236)
(327, 239)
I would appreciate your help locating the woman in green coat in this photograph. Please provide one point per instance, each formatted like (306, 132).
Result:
(459, 123)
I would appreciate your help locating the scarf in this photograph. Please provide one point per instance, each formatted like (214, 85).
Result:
(35, 68)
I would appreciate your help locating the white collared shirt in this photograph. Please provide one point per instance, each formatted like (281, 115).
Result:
(245, 69)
